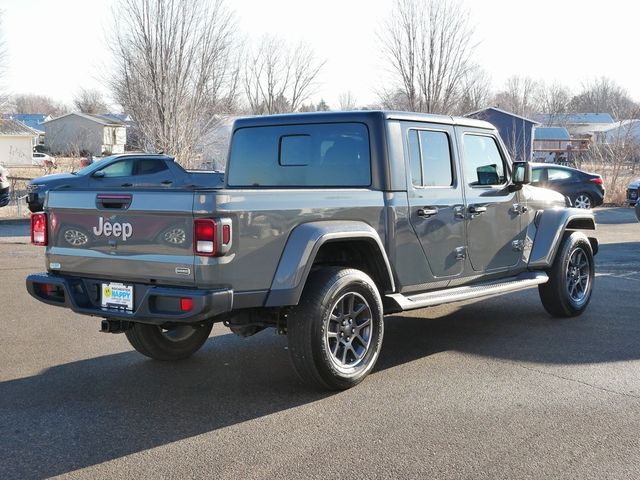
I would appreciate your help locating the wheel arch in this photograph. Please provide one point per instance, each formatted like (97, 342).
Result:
(551, 227)
(350, 244)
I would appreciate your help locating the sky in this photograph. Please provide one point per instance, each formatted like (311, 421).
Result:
(56, 47)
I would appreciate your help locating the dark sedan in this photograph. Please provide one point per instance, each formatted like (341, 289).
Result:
(584, 189)
(5, 187)
(120, 172)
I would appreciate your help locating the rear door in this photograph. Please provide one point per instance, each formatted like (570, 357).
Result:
(120, 235)
(435, 197)
(495, 236)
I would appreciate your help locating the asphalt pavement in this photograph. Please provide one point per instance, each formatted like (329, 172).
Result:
(480, 390)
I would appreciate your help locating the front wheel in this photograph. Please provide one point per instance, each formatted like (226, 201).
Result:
(335, 332)
(568, 291)
(168, 342)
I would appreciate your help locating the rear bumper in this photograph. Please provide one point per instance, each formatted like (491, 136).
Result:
(152, 304)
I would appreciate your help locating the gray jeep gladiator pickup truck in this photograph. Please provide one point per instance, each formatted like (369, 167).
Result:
(325, 223)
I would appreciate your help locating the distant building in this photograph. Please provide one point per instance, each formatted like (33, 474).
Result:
(31, 120)
(16, 143)
(81, 133)
(580, 125)
(555, 145)
(516, 131)
(623, 132)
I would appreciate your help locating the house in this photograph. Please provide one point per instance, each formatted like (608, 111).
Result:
(516, 131)
(555, 145)
(31, 120)
(16, 143)
(80, 133)
(622, 133)
(580, 125)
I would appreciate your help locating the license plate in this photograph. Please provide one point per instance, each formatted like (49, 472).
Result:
(117, 295)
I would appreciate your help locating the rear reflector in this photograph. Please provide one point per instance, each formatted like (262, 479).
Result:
(226, 234)
(39, 229)
(597, 180)
(186, 304)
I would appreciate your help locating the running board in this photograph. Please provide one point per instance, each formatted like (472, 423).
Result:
(470, 292)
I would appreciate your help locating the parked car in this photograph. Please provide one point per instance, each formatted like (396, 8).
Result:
(5, 187)
(633, 191)
(638, 210)
(42, 159)
(583, 189)
(120, 171)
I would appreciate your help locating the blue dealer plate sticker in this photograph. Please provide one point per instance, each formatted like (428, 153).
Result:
(117, 295)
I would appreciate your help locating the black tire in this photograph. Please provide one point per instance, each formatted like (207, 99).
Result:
(583, 200)
(568, 291)
(332, 348)
(168, 343)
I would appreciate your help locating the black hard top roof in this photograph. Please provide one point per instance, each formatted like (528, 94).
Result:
(356, 116)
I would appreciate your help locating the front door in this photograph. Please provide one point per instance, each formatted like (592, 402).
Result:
(495, 237)
(435, 197)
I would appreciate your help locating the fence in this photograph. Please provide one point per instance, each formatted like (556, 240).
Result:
(18, 194)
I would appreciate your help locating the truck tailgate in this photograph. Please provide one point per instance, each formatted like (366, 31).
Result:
(144, 236)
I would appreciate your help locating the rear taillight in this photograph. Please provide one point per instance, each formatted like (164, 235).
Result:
(212, 237)
(597, 180)
(204, 236)
(39, 229)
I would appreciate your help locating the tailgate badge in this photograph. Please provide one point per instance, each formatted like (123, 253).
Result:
(54, 266)
(183, 271)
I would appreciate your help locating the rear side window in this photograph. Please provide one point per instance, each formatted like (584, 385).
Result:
(483, 164)
(148, 166)
(556, 174)
(430, 158)
(311, 155)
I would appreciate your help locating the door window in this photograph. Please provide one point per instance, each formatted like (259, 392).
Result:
(118, 169)
(483, 163)
(148, 166)
(430, 155)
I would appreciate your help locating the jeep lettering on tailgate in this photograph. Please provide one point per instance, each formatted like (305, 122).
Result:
(108, 229)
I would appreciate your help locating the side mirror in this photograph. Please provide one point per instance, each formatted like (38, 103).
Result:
(521, 173)
(98, 174)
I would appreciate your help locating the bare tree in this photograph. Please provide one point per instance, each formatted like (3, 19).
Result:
(519, 96)
(347, 101)
(174, 70)
(428, 47)
(476, 92)
(604, 95)
(553, 100)
(279, 78)
(4, 95)
(89, 100)
(30, 103)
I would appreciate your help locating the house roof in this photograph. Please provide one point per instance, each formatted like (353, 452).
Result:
(102, 120)
(13, 127)
(31, 120)
(551, 133)
(573, 118)
(477, 113)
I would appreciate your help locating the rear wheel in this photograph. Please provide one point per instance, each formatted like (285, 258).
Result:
(583, 200)
(568, 291)
(168, 342)
(335, 332)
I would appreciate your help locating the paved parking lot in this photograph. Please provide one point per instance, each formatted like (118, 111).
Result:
(492, 389)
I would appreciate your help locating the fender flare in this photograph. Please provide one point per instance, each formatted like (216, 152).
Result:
(551, 226)
(301, 249)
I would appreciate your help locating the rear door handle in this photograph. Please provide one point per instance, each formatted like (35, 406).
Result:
(476, 210)
(166, 182)
(427, 212)
(127, 185)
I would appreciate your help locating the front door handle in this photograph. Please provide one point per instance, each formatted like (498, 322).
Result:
(476, 210)
(166, 182)
(427, 212)
(127, 185)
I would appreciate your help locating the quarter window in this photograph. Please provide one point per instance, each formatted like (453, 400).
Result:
(483, 163)
(558, 174)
